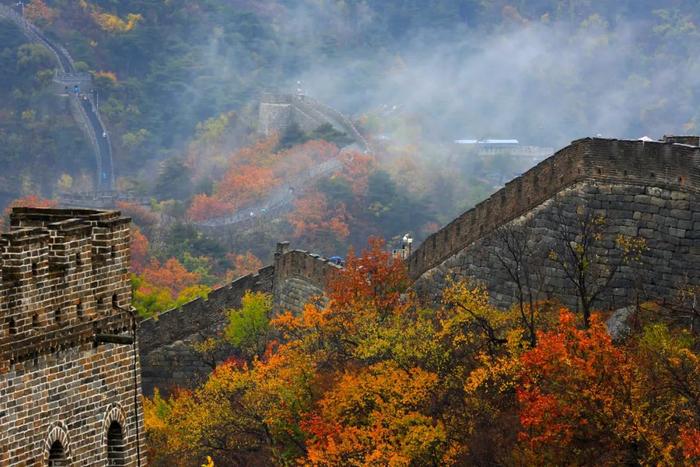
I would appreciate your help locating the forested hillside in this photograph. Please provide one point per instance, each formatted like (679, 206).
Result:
(543, 71)
(178, 85)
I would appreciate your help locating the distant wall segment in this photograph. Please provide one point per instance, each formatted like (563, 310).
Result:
(168, 357)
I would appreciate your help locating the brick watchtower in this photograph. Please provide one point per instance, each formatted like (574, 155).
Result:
(69, 367)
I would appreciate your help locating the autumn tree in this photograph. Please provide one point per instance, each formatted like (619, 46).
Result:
(204, 207)
(515, 253)
(243, 264)
(37, 11)
(171, 275)
(142, 216)
(589, 258)
(585, 400)
(248, 329)
(317, 222)
(139, 250)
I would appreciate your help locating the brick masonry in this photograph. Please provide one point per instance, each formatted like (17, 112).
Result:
(65, 282)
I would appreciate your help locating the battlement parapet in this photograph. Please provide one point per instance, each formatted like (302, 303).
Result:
(669, 163)
(312, 268)
(64, 274)
(166, 341)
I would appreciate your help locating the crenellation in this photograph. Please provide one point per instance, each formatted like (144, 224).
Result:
(663, 164)
(57, 378)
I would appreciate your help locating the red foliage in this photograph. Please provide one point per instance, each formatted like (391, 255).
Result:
(243, 184)
(373, 280)
(139, 250)
(356, 169)
(314, 219)
(571, 393)
(206, 207)
(171, 275)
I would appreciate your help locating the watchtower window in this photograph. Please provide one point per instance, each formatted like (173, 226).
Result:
(100, 303)
(35, 320)
(115, 302)
(12, 327)
(681, 180)
(35, 268)
(652, 175)
(80, 311)
(57, 315)
(57, 456)
(115, 445)
(78, 259)
(113, 251)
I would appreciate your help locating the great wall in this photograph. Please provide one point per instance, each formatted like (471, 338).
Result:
(84, 110)
(71, 369)
(166, 342)
(644, 189)
(69, 362)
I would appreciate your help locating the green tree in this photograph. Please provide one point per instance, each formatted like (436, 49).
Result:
(248, 329)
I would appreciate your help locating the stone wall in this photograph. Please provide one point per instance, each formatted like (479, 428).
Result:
(278, 111)
(300, 277)
(167, 354)
(648, 190)
(659, 164)
(69, 365)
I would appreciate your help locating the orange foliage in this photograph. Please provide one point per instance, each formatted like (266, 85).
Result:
(371, 281)
(690, 439)
(312, 218)
(584, 400)
(260, 153)
(243, 184)
(205, 207)
(37, 10)
(171, 275)
(246, 263)
(139, 250)
(375, 417)
(568, 392)
(109, 75)
(356, 169)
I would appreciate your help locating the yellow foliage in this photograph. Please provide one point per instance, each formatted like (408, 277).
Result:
(110, 75)
(113, 23)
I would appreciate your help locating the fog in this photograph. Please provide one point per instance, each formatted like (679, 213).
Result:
(542, 83)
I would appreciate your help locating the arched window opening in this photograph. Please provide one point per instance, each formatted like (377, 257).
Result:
(35, 269)
(35, 320)
(57, 456)
(78, 259)
(115, 445)
(80, 311)
(115, 302)
(12, 326)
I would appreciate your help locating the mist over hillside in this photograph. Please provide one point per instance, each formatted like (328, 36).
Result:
(543, 72)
